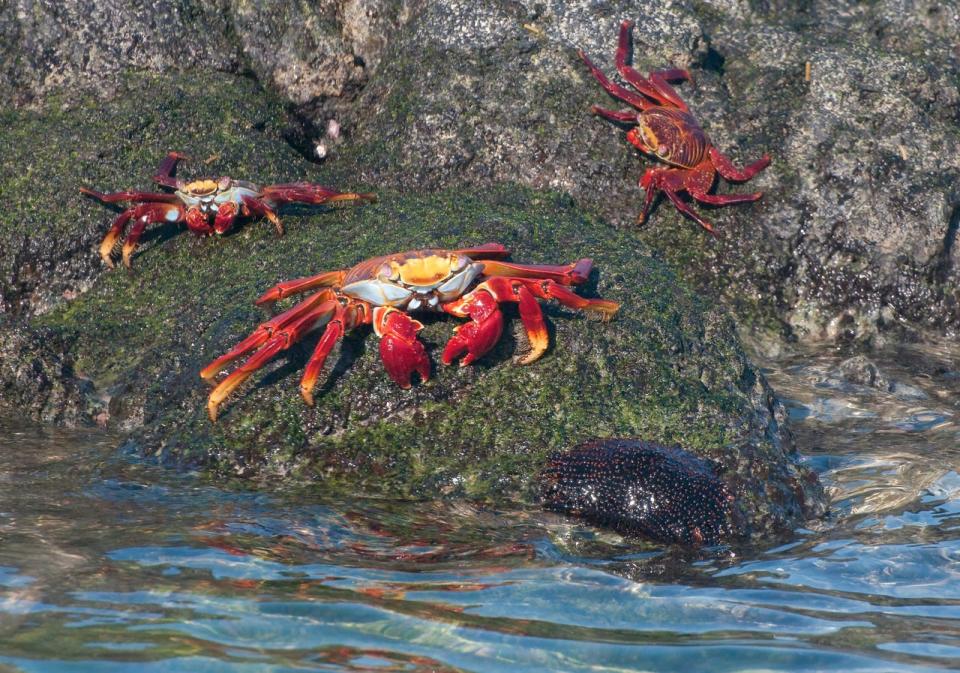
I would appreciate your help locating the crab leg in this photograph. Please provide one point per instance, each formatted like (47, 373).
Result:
(723, 199)
(401, 351)
(688, 211)
(258, 207)
(109, 242)
(623, 116)
(164, 174)
(300, 285)
(574, 273)
(657, 87)
(485, 251)
(615, 90)
(547, 289)
(344, 319)
(305, 192)
(265, 331)
(477, 337)
(289, 334)
(116, 197)
(726, 168)
(144, 215)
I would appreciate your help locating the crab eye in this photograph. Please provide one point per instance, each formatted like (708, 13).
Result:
(387, 272)
(458, 263)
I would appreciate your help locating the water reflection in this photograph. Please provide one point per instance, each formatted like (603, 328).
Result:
(107, 563)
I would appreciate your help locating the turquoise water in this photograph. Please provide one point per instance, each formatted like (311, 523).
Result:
(110, 564)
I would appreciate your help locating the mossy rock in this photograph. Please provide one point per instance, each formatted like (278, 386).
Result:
(668, 369)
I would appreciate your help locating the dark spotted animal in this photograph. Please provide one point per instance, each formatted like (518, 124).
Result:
(639, 488)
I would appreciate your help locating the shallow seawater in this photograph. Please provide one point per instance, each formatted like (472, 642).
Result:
(109, 564)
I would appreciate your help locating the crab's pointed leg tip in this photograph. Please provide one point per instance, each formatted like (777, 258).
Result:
(212, 412)
(307, 396)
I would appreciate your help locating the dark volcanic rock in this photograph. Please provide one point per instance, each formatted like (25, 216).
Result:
(38, 381)
(483, 104)
(861, 370)
(669, 367)
(855, 234)
(857, 227)
(639, 488)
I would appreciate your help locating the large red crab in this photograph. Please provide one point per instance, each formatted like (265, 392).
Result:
(208, 206)
(665, 129)
(382, 291)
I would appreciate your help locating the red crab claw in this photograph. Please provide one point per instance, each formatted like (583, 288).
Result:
(477, 337)
(401, 351)
(225, 218)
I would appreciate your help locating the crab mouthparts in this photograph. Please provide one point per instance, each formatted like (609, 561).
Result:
(423, 301)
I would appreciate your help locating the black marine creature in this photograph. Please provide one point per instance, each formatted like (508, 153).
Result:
(639, 488)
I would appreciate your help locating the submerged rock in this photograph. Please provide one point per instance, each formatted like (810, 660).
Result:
(861, 370)
(639, 488)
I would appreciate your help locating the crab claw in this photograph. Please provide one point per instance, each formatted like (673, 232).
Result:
(225, 218)
(477, 337)
(401, 351)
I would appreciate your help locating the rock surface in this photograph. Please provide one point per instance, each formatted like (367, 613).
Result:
(669, 367)
(854, 237)
(470, 120)
(37, 378)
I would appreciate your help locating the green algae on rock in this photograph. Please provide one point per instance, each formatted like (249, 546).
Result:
(667, 368)
(47, 229)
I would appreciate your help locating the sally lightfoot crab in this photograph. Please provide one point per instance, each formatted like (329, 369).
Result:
(664, 128)
(383, 291)
(207, 206)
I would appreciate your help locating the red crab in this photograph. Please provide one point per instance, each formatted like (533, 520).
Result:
(197, 202)
(665, 129)
(382, 291)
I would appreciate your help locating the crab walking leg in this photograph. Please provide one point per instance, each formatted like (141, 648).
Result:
(650, 194)
(574, 273)
(615, 90)
(659, 91)
(723, 199)
(145, 214)
(726, 168)
(305, 192)
(301, 285)
(265, 331)
(109, 242)
(485, 251)
(164, 174)
(622, 116)
(401, 351)
(280, 340)
(117, 197)
(547, 289)
(688, 211)
(258, 207)
(345, 318)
